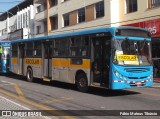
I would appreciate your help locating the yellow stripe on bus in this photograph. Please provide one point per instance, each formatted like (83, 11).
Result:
(14, 60)
(33, 61)
(58, 62)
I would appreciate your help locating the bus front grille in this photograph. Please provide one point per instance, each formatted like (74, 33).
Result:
(136, 70)
(144, 77)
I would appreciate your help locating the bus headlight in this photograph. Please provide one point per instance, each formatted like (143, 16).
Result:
(120, 76)
(116, 73)
(125, 78)
(150, 77)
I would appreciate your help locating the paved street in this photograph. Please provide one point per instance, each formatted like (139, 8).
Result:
(41, 95)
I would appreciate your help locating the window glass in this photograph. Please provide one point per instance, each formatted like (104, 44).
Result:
(14, 50)
(131, 5)
(100, 9)
(37, 49)
(81, 15)
(61, 47)
(66, 19)
(79, 46)
(29, 49)
(153, 3)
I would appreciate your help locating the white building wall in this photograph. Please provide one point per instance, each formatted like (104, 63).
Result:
(12, 22)
(25, 21)
(3, 25)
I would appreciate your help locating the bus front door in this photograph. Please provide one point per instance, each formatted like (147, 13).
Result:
(47, 62)
(101, 61)
(21, 59)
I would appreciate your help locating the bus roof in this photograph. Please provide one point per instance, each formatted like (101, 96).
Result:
(76, 33)
(5, 43)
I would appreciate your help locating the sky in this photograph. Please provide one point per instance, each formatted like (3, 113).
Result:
(8, 4)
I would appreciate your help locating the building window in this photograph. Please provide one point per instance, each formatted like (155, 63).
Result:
(39, 9)
(99, 9)
(38, 29)
(131, 6)
(53, 2)
(154, 3)
(66, 19)
(45, 26)
(81, 15)
(54, 22)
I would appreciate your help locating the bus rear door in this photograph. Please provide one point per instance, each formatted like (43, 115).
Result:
(21, 58)
(47, 62)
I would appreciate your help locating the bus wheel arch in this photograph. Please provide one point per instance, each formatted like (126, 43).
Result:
(29, 74)
(81, 81)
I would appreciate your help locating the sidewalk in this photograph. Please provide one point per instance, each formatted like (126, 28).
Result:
(156, 83)
(12, 110)
(156, 80)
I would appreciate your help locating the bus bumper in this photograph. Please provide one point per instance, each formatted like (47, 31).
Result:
(124, 85)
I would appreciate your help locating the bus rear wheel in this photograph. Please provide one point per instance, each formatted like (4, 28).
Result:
(81, 82)
(29, 75)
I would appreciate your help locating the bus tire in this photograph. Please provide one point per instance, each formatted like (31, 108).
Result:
(29, 75)
(82, 82)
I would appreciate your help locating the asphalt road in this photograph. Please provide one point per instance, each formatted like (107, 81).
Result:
(41, 95)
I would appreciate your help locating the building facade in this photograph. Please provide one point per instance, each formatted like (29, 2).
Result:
(57, 16)
(17, 23)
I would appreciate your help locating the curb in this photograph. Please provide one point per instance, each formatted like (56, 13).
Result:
(156, 80)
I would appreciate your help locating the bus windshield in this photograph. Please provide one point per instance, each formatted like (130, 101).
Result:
(132, 52)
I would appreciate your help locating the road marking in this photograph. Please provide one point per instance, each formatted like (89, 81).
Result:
(5, 85)
(56, 100)
(18, 90)
(7, 82)
(43, 107)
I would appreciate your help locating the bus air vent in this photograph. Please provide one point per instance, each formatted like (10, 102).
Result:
(136, 70)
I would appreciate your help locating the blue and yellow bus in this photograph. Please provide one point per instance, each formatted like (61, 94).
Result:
(113, 58)
(4, 56)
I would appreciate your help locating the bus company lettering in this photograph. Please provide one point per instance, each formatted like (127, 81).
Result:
(32, 61)
(127, 57)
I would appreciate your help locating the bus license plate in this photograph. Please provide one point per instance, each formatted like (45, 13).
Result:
(138, 83)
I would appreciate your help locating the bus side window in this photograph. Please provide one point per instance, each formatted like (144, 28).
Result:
(61, 47)
(73, 47)
(37, 49)
(79, 46)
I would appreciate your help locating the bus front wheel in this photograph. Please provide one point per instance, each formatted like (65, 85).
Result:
(29, 75)
(81, 82)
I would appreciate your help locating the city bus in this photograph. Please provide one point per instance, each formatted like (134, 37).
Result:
(4, 56)
(112, 58)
